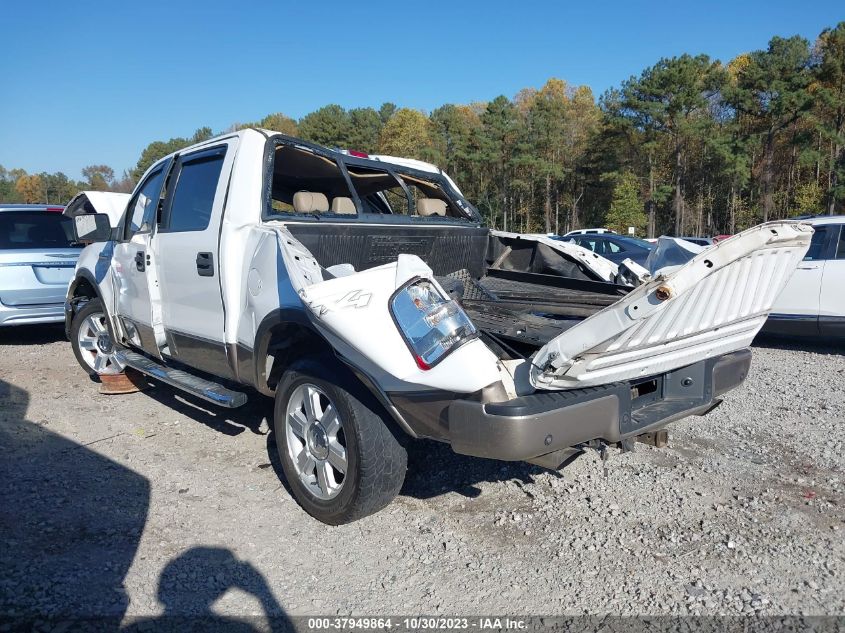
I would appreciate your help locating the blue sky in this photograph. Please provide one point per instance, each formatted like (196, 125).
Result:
(85, 83)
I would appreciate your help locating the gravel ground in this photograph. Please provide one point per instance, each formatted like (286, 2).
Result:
(153, 503)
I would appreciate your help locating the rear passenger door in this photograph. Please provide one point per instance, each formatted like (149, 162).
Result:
(187, 253)
(797, 306)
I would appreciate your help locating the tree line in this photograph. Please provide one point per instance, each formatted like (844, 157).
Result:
(691, 146)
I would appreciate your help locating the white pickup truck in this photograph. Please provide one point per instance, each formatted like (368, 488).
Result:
(365, 295)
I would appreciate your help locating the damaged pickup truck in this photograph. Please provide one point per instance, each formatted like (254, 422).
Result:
(365, 295)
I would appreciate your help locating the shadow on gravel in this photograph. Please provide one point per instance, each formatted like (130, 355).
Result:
(191, 583)
(70, 524)
(434, 469)
(70, 521)
(249, 417)
(809, 344)
(32, 334)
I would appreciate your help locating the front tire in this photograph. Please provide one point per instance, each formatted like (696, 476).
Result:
(340, 458)
(92, 342)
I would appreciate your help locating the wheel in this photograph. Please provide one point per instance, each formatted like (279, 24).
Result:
(340, 458)
(92, 342)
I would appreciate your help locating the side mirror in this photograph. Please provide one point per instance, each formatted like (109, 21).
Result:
(92, 227)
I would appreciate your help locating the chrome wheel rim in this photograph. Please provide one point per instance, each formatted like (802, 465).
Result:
(316, 441)
(95, 345)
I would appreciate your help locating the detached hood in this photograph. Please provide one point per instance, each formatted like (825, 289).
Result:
(713, 304)
(110, 203)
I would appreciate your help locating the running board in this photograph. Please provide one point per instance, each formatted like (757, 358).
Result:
(199, 387)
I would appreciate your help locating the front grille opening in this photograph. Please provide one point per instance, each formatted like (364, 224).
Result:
(643, 388)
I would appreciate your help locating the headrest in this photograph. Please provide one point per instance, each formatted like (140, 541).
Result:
(343, 205)
(431, 206)
(310, 202)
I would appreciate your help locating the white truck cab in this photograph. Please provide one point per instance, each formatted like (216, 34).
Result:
(365, 295)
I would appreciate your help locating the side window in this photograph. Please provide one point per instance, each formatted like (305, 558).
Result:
(840, 246)
(429, 196)
(613, 247)
(379, 191)
(817, 244)
(143, 205)
(305, 182)
(193, 196)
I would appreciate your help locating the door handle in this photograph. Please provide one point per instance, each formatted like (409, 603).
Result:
(140, 263)
(808, 266)
(205, 264)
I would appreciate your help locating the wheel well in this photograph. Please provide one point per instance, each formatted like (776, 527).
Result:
(290, 341)
(287, 343)
(84, 289)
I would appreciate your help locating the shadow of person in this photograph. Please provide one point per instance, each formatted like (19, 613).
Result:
(70, 522)
(190, 584)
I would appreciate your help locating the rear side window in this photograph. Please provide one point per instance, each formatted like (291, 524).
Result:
(193, 196)
(817, 244)
(35, 229)
(840, 247)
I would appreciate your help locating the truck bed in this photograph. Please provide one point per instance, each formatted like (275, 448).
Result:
(528, 310)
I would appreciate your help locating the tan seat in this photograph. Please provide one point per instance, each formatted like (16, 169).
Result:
(310, 202)
(431, 206)
(343, 205)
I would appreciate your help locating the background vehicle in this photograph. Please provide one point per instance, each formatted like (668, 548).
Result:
(367, 298)
(616, 248)
(813, 301)
(589, 232)
(700, 241)
(37, 258)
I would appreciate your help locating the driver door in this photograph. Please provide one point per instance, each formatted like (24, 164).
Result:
(136, 287)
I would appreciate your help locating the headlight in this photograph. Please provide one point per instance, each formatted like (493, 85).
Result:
(431, 324)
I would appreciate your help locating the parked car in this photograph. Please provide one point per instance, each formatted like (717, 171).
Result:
(366, 296)
(37, 258)
(699, 241)
(813, 301)
(589, 232)
(612, 246)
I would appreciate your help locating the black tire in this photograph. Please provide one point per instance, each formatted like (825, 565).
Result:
(376, 460)
(92, 307)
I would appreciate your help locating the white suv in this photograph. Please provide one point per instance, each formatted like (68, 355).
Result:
(813, 302)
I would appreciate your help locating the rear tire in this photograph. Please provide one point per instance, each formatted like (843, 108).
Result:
(91, 340)
(338, 453)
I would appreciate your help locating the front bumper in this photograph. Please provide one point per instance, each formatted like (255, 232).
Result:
(550, 422)
(31, 315)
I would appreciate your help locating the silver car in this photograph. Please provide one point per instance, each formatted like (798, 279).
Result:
(37, 259)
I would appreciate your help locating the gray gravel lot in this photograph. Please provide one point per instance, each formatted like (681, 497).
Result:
(154, 503)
